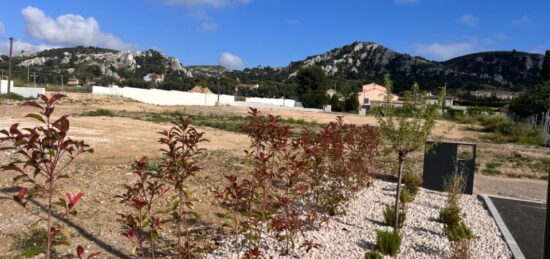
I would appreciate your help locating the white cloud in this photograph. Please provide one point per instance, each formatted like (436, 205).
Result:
(523, 20)
(205, 3)
(19, 46)
(69, 30)
(445, 51)
(208, 26)
(230, 61)
(468, 19)
(2, 28)
(405, 1)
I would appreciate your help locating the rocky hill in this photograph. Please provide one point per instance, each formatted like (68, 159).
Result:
(357, 62)
(92, 61)
(370, 61)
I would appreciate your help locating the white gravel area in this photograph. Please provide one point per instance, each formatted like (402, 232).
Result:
(351, 235)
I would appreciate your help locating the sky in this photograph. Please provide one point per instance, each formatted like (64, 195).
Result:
(250, 33)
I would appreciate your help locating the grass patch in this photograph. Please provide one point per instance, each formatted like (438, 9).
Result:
(14, 97)
(99, 112)
(492, 168)
(230, 123)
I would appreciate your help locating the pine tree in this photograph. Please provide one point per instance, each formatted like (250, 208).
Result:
(545, 72)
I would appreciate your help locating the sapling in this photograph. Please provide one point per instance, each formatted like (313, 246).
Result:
(405, 129)
(43, 154)
(144, 221)
(180, 161)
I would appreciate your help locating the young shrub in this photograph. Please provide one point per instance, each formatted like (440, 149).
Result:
(180, 157)
(389, 216)
(405, 129)
(373, 255)
(388, 242)
(44, 152)
(405, 197)
(450, 215)
(144, 221)
(458, 232)
(412, 182)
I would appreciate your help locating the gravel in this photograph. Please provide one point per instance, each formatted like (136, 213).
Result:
(351, 235)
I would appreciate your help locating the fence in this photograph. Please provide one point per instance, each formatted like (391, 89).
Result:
(23, 91)
(164, 97)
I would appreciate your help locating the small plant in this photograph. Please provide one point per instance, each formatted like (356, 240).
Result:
(389, 216)
(80, 253)
(412, 182)
(388, 242)
(458, 232)
(143, 222)
(44, 152)
(373, 255)
(180, 153)
(450, 215)
(405, 197)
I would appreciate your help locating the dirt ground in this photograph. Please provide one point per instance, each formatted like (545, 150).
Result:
(118, 141)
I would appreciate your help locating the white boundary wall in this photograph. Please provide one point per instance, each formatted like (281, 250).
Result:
(23, 91)
(163, 97)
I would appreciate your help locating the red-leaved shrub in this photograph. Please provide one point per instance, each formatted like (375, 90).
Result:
(43, 153)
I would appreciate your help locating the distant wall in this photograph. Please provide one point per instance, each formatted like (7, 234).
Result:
(163, 97)
(23, 91)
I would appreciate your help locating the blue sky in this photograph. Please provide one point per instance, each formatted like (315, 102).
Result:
(248, 33)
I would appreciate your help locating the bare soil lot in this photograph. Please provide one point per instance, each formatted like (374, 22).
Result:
(117, 141)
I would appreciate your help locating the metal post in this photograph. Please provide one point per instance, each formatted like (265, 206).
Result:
(9, 65)
(218, 103)
(62, 89)
(28, 73)
(34, 79)
(546, 252)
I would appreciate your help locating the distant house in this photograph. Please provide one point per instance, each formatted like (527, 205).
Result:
(502, 95)
(374, 93)
(73, 81)
(434, 99)
(153, 77)
(200, 89)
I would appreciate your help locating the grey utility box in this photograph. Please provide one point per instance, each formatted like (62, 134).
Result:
(443, 159)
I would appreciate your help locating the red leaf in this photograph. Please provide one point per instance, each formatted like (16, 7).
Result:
(74, 200)
(53, 231)
(55, 97)
(33, 104)
(129, 234)
(92, 255)
(22, 193)
(79, 251)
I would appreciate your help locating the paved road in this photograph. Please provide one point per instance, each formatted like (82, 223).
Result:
(525, 220)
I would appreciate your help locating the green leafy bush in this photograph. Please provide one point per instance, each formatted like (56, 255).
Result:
(373, 255)
(388, 242)
(450, 215)
(389, 216)
(458, 232)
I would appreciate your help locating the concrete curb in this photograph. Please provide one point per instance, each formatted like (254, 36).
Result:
(510, 241)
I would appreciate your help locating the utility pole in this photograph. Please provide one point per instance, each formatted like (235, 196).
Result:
(9, 65)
